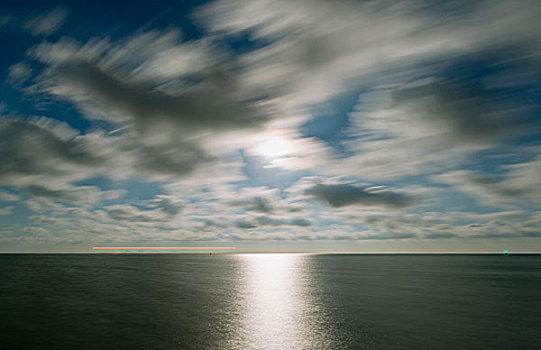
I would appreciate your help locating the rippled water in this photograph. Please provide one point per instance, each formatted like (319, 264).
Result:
(270, 302)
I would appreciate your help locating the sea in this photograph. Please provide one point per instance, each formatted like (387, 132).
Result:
(270, 301)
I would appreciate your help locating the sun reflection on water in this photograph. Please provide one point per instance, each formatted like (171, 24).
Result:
(274, 301)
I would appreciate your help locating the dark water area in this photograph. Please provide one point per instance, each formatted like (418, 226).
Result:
(270, 302)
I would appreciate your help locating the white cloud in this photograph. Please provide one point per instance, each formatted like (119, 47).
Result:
(18, 73)
(520, 185)
(316, 48)
(47, 23)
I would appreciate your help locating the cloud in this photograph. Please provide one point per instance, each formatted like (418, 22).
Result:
(205, 120)
(259, 204)
(300, 222)
(342, 195)
(272, 221)
(519, 185)
(261, 222)
(243, 224)
(164, 161)
(168, 204)
(6, 211)
(31, 230)
(42, 147)
(430, 126)
(47, 23)
(208, 105)
(260, 199)
(262, 205)
(128, 82)
(70, 194)
(440, 235)
(465, 113)
(173, 121)
(8, 197)
(5, 19)
(435, 97)
(48, 152)
(18, 73)
(43, 205)
(313, 49)
(131, 213)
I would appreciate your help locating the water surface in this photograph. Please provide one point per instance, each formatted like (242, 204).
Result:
(270, 301)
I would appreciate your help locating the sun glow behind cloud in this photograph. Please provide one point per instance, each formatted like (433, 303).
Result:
(274, 146)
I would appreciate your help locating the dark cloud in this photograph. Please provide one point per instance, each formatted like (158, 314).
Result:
(211, 224)
(270, 221)
(300, 222)
(360, 237)
(259, 204)
(212, 104)
(33, 149)
(267, 220)
(386, 236)
(439, 235)
(162, 130)
(497, 184)
(70, 194)
(342, 195)
(48, 151)
(525, 234)
(262, 205)
(130, 213)
(244, 224)
(170, 159)
(469, 113)
(264, 220)
(167, 204)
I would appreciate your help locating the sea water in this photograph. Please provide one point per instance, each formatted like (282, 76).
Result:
(270, 301)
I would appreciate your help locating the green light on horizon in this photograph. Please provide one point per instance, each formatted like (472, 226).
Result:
(505, 252)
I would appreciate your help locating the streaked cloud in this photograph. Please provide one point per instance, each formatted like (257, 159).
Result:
(47, 23)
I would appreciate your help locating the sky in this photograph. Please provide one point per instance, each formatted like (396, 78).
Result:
(271, 126)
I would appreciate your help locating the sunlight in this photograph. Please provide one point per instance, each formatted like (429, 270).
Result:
(274, 316)
(273, 146)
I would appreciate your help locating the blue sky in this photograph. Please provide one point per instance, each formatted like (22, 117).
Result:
(306, 126)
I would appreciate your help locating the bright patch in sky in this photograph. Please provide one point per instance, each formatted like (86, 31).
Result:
(274, 146)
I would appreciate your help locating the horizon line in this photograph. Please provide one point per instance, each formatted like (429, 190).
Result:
(150, 249)
(234, 251)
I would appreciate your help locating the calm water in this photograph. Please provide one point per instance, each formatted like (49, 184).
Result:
(270, 302)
